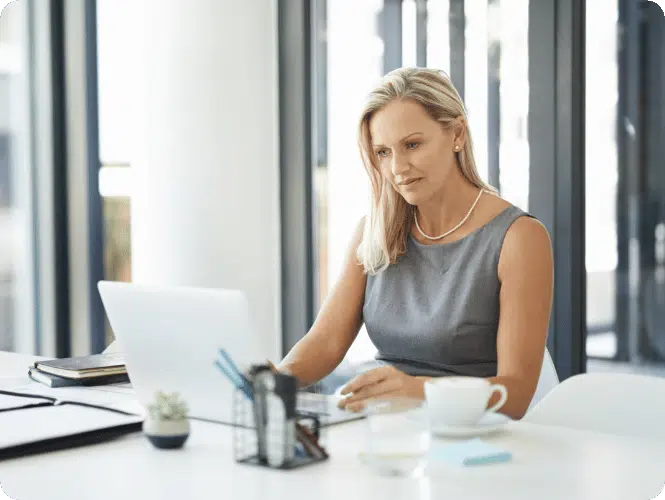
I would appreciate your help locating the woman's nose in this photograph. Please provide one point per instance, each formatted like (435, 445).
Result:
(399, 165)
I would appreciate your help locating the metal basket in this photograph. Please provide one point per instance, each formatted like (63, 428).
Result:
(281, 446)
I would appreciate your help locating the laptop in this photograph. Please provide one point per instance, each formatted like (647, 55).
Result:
(170, 337)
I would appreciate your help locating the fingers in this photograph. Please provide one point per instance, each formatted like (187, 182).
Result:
(355, 407)
(359, 405)
(367, 378)
(383, 389)
(374, 390)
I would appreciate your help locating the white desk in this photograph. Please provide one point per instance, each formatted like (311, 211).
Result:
(548, 463)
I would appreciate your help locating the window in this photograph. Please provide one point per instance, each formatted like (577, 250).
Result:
(625, 186)
(18, 284)
(496, 94)
(602, 176)
(353, 48)
(115, 179)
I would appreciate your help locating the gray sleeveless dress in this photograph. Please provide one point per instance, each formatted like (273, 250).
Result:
(436, 311)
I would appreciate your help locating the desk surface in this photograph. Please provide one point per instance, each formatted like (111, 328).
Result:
(548, 463)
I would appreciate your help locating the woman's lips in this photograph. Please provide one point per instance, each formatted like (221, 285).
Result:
(408, 182)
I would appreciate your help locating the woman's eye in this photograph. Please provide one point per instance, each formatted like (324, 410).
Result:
(382, 153)
(412, 145)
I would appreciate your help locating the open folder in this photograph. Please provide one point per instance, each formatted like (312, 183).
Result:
(35, 423)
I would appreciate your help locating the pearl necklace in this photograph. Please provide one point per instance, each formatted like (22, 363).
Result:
(415, 218)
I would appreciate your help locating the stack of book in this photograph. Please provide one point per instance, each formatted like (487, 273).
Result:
(97, 369)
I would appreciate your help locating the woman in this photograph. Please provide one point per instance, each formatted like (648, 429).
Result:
(448, 278)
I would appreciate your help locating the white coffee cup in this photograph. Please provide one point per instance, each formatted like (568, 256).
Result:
(461, 401)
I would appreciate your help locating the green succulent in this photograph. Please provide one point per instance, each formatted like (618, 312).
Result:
(168, 407)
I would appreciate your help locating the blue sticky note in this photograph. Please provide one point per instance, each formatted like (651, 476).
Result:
(472, 452)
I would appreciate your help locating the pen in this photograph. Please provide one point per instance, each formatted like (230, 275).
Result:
(233, 367)
(245, 388)
(310, 442)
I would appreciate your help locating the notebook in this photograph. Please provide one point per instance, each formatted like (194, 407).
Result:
(471, 452)
(41, 423)
(53, 381)
(84, 367)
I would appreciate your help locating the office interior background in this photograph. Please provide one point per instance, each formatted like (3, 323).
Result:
(213, 143)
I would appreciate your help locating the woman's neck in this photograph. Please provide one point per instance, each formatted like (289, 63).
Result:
(448, 208)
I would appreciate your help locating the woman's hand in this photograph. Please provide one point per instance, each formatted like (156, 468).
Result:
(381, 383)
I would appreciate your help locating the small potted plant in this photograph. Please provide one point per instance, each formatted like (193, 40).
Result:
(166, 424)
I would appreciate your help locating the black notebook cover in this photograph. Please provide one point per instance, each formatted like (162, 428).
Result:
(44, 424)
(71, 441)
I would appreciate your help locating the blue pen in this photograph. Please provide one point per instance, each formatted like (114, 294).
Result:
(232, 364)
(225, 356)
(235, 380)
(234, 368)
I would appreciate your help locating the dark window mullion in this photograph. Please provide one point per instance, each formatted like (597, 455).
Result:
(457, 29)
(390, 31)
(296, 182)
(421, 33)
(493, 97)
(557, 168)
(95, 213)
(60, 196)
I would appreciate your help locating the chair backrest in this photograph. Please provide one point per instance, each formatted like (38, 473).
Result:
(546, 382)
(615, 403)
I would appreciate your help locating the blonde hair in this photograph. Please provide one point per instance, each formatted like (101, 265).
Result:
(388, 222)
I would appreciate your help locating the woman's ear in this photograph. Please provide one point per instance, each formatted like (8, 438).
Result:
(459, 128)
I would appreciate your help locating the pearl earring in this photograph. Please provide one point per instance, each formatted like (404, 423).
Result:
(456, 148)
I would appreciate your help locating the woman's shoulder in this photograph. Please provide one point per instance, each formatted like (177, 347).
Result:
(525, 228)
(519, 227)
(522, 224)
(525, 238)
(495, 205)
(494, 211)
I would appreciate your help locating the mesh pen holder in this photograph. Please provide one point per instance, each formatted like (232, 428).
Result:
(269, 430)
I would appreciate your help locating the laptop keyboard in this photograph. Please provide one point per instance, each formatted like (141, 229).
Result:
(324, 407)
(317, 404)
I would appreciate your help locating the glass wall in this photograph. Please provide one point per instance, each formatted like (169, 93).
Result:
(18, 284)
(625, 189)
(513, 70)
(601, 175)
(113, 60)
(496, 94)
(341, 184)
(114, 47)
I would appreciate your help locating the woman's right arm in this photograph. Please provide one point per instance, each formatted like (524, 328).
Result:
(336, 326)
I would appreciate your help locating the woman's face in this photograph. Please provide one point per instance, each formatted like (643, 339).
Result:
(415, 153)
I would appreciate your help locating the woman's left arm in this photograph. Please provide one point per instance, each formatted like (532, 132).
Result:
(526, 277)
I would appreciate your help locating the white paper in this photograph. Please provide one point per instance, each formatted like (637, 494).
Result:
(10, 383)
(8, 402)
(37, 424)
(132, 406)
(102, 395)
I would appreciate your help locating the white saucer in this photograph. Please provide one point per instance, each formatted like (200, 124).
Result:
(491, 422)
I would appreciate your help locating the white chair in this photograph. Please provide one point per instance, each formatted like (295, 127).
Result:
(546, 382)
(615, 403)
